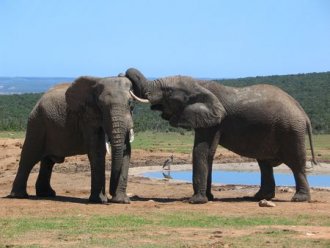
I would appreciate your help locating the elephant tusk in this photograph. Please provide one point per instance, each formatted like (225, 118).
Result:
(107, 144)
(131, 135)
(107, 147)
(138, 98)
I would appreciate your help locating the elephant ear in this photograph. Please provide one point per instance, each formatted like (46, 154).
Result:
(80, 93)
(203, 110)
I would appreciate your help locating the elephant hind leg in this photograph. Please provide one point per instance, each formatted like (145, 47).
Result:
(302, 186)
(31, 154)
(295, 158)
(43, 187)
(267, 186)
(29, 158)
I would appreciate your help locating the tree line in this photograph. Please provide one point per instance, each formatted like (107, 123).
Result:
(311, 90)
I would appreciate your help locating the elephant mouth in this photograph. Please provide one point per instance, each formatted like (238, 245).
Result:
(165, 114)
(157, 107)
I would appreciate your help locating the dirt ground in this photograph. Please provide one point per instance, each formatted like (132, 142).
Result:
(71, 180)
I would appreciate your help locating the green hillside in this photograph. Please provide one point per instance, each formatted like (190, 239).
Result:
(312, 90)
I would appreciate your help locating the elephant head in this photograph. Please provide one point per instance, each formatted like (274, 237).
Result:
(105, 104)
(182, 100)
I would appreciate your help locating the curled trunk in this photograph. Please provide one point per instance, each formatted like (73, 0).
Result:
(140, 83)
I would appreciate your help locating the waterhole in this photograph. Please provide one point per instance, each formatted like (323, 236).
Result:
(242, 177)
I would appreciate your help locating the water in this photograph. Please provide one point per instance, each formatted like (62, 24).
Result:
(244, 178)
(20, 85)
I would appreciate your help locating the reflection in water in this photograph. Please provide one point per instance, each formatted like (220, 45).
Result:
(167, 174)
(245, 178)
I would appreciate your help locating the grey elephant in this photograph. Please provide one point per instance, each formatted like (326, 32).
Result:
(259, 121)
(73, 119)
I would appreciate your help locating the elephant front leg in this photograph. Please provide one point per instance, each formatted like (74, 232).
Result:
(200, 169)
(215, 137)
(118, 191)
(96, 157)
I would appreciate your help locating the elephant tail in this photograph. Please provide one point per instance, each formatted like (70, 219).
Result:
(309, 130)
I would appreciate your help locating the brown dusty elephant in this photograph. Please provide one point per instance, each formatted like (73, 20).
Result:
(73, 119)
(259, 121)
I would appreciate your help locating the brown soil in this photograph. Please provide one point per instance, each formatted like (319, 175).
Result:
(71, 180)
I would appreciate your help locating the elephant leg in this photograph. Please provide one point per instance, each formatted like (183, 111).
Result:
(212, 151)
(43, 188)
(295, 158)
(202, 165)
(96, 156)
(120, 195)
(267, 188)
(302, 186)
(30, 155)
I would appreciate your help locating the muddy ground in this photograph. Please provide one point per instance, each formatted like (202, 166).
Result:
(71, 180)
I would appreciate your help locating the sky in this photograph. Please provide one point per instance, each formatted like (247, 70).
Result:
(205, 39)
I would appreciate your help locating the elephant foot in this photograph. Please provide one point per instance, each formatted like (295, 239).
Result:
(267, 195)
(210, 196)
(301, 197)
(198, 199)
(98, 198)
(45, 192)
(18, 194)
(120, 198)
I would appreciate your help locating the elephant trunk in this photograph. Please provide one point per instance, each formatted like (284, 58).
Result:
(117, 154)
(118, 133)
(140, 83)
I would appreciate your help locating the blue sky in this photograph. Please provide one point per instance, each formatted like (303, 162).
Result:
(208, 39)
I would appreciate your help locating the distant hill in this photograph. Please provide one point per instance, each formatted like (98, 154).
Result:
(312, 91)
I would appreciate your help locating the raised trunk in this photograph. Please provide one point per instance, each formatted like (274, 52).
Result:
(140, 83)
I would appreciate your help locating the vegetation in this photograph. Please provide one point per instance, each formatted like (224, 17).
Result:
(15, 109)
(154, 229)
(164, 141)
(311, 90)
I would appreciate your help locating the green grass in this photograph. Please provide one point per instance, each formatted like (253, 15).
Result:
(183, 143)
(321, 144)
(321, 141)
(12, 134)
(167, 142)
(147, 229)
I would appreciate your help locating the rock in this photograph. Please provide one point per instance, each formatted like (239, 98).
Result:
(265, 203)
(287, 189)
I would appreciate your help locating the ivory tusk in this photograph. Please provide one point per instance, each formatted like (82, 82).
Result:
(131, 135)
(138, 98)
(107, 144)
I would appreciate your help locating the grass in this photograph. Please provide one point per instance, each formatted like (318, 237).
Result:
(175, 142)
(183, 143)
(154, 229)
(12, 134)
(321, 144)
(167, 142)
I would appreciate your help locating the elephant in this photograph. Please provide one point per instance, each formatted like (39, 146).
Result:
(79, 118)
(260, 121)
